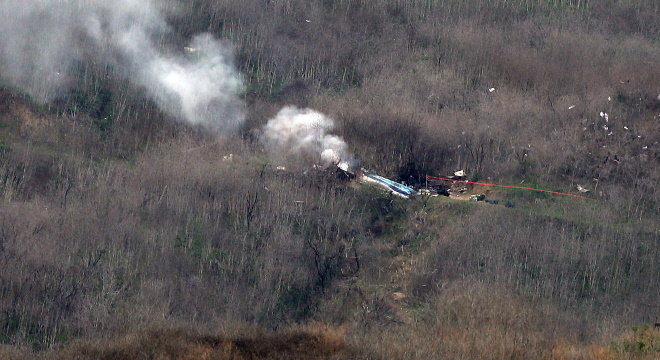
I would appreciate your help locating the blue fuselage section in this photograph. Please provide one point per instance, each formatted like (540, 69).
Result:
(392, 185)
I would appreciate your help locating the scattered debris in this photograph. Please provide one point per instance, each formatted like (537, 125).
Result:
(426, 192)
(582, 189)
(457, 187)
(605, 116)
(429, 177)
(458, 175)
(228, 158)
(571, 107)
(491, 89)
(281, 168)
(308, 21)
(189, 49)
(615, 158)
(609, 98)
(626, 128)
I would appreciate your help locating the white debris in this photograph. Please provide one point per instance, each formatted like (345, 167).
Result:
(582, 189)
(571, 107)
(610, 133)
(491, 89)
(605, 116)
(308, 21)
(658, 96)
(459, 173)
(189, 49)
(280, 168)
(645, 147)
(609, 98)
(424, 192)
(625, 127)
(605, 127)
(228, 158)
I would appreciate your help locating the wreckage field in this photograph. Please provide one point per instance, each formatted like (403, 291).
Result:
(329, 179)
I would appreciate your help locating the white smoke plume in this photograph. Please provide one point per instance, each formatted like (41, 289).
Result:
(303, 134)
(40, 40)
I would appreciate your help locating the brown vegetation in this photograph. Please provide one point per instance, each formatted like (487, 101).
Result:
(115, 219)
(187, 344)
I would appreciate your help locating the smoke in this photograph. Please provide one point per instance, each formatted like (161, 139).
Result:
(42, 40)
(303, 134)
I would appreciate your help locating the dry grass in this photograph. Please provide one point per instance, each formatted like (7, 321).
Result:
(478, 321)
(311, 342)
(467, 323)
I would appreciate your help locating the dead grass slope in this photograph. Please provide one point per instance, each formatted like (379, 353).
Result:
(188, 344)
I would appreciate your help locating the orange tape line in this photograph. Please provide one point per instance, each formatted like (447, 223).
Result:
(512, 187)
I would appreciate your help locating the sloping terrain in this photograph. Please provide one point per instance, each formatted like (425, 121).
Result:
(189, 345)
(119, 220)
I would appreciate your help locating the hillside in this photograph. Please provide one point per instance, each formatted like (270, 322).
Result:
(168, 188)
